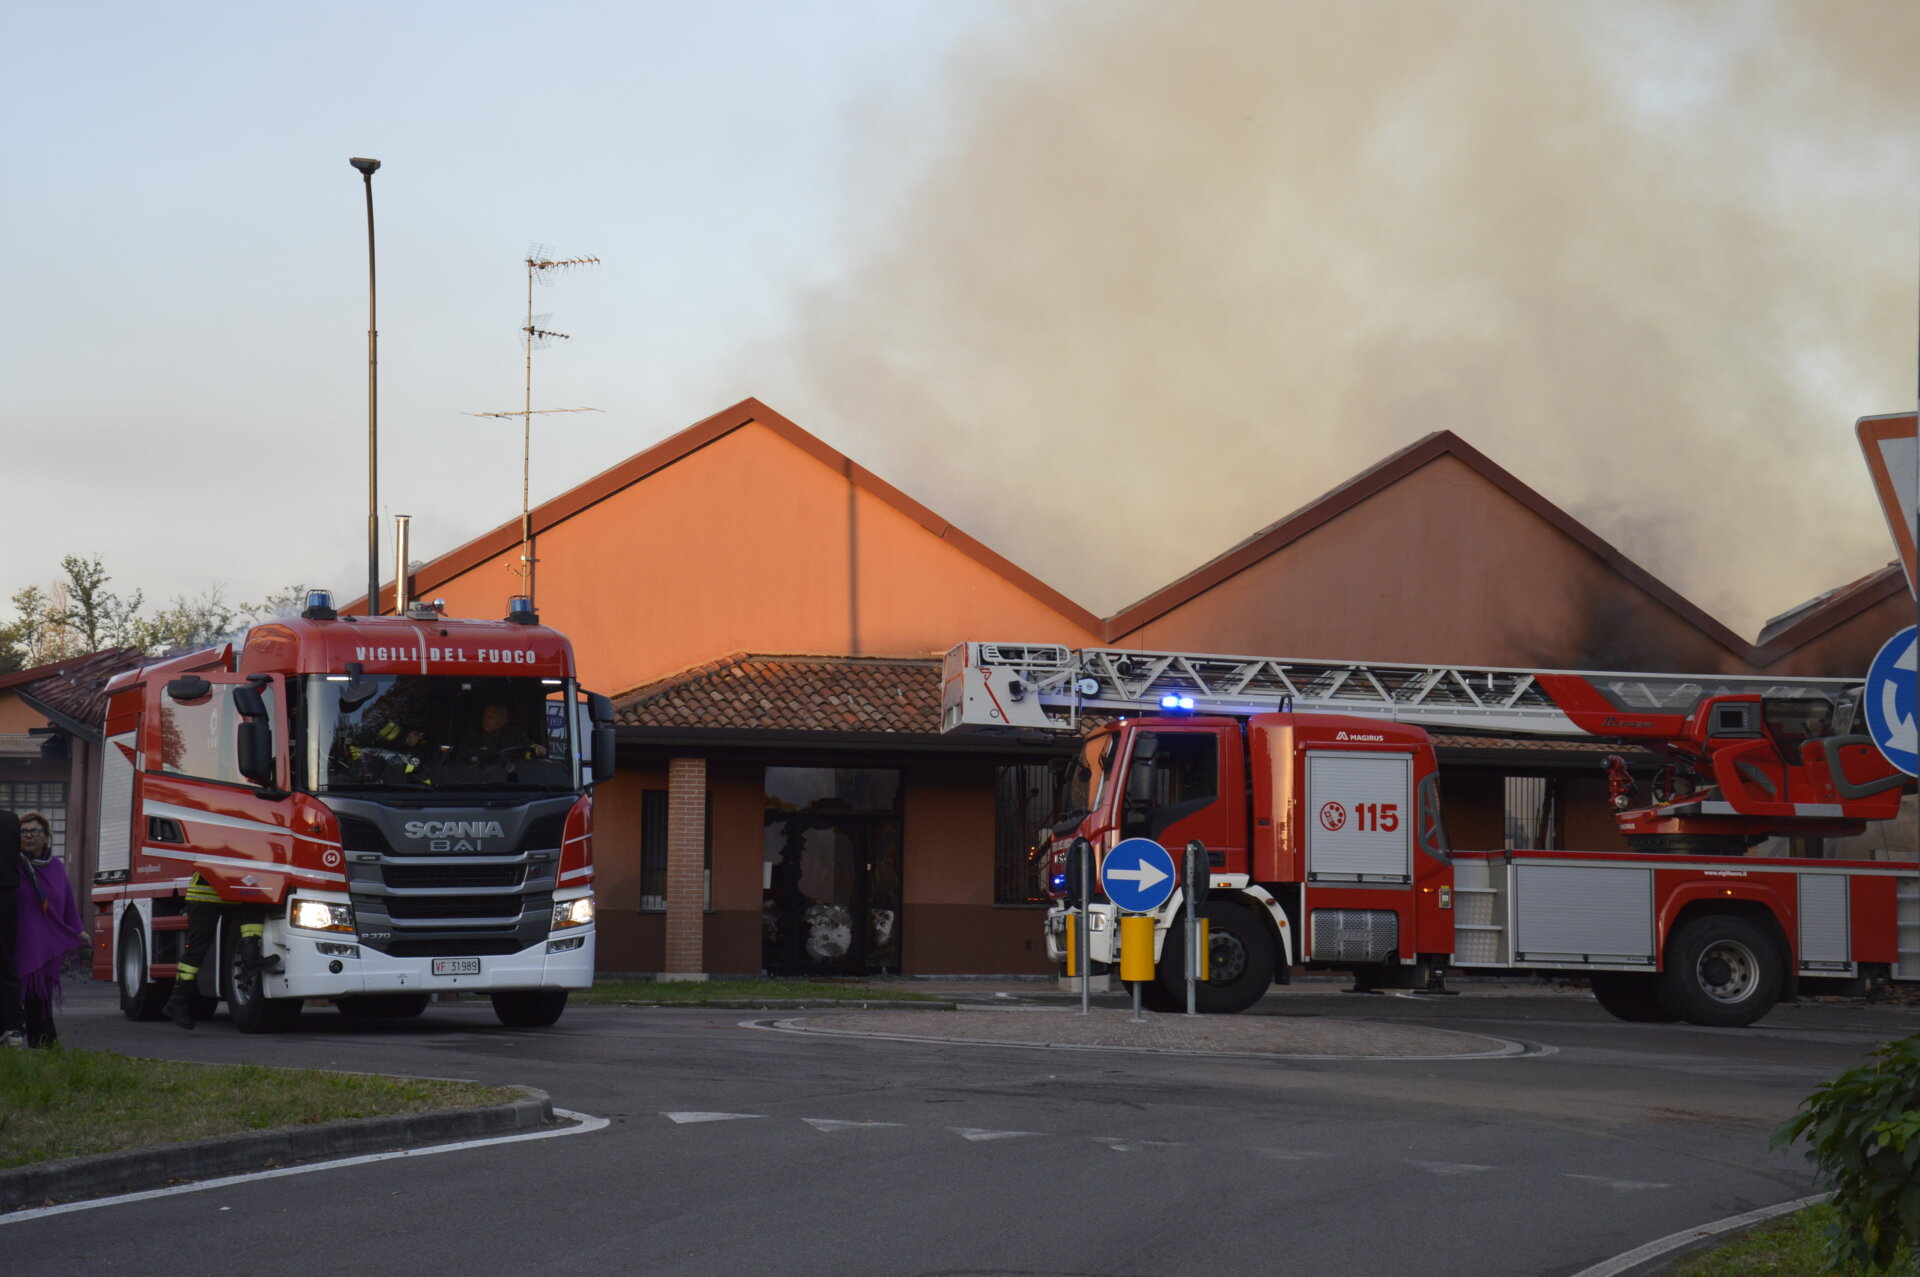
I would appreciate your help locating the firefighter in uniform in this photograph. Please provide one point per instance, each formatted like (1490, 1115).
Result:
(205, 909)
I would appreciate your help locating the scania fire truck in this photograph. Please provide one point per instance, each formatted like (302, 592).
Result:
(1313, 789)
(406, 798)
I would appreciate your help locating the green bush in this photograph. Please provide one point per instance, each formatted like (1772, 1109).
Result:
(1863, 1134)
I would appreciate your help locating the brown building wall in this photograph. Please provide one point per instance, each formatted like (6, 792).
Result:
(1442, 566)
(1846, 650)
(952, 926)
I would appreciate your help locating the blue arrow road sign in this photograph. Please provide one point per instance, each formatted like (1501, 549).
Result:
(1138, 875)
(1892, 705)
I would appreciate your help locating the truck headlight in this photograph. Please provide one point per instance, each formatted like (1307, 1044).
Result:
(319, 915)
(577, 912)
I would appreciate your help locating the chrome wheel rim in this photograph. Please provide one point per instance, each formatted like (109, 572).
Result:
(1728, 971)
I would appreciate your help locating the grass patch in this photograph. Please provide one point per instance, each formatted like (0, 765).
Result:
(1786, 1247)
(693, 992)
(61, 1102)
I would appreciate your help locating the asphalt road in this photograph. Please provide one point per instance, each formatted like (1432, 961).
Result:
(849, 1156)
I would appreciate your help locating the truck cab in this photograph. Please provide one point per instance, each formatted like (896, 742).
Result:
(406, 798)
(1323, 837)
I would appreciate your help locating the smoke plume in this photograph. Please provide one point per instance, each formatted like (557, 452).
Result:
(1653, 258)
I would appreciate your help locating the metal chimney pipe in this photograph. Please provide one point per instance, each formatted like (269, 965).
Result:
(400, 522)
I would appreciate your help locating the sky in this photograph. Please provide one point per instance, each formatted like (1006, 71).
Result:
(1111, 285)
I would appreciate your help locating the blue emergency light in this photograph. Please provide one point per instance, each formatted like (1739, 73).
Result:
(1171, 701)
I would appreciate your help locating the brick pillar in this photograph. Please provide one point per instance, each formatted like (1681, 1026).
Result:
(686, 869)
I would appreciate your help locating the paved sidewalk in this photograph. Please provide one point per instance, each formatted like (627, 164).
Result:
(1111, 1028)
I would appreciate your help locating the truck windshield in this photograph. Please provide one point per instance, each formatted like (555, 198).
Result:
(1088, 776)
(436, 734)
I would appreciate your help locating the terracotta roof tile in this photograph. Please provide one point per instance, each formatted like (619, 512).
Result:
(748, 692)
(74, 688)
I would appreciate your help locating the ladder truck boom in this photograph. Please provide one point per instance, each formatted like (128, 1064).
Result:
(1045, 686)
(1749, 755)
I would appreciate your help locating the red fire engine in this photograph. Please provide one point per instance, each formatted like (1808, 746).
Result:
(1314, 790)
(405, 796)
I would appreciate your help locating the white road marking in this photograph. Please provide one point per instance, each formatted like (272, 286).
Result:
(1450, 1168)
(1130, 1146)
(1622, 1185)
(976, 1134)
(835, 1124)
(586, 1125)
(685, 1118)
(1629, 1260)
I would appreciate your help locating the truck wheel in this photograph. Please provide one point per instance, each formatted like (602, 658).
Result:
(529, 1008)
(1722, 971)
(252, 1010)
(1634, 998)
(1239, 961)
(384, 1006)
(140, 996)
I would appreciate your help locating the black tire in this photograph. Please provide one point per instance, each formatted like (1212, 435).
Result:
(529, 1008)
(141, 996)
(1628, 996)
(253, 1011)
(384, 1006)
(1722, 971)
(1240, 961)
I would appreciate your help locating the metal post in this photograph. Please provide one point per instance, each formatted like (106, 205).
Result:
(1086, 931)
(526, 450)
(367, 169)
(1195, 876)
(1136, 1001)
(400, 546)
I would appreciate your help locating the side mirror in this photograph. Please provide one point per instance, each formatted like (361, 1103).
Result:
(188, 687)
(600, 710)
(253, 741)
(1079, 869)
(358, 690)
(255, 745)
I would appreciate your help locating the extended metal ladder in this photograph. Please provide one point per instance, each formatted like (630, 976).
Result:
(1047, 686)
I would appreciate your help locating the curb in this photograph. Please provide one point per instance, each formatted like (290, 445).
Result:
(787, 1004)
(108, 1174)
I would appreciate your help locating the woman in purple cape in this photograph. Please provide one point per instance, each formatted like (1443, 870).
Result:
(50, 927)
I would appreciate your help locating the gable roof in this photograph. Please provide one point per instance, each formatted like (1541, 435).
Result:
(1801, 625)
(1378, 477)
(1786, 633)
(607, 483)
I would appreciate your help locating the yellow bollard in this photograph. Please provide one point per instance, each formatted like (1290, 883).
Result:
(1136, 947)
(1073, 946)
(1205, 955)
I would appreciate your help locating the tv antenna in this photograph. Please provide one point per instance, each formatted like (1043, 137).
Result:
(542, 266)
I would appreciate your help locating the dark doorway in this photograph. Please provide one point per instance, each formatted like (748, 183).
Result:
(831, 872)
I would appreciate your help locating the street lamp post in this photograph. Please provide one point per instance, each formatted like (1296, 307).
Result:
(367, 169)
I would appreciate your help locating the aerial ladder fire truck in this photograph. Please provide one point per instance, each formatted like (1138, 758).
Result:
(406, 799)
(1314, 789)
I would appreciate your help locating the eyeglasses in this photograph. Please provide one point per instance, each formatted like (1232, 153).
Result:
(33, 831)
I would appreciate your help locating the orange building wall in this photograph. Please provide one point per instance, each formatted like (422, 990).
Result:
(752, 544)
(1441, 566)
(16, 717)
